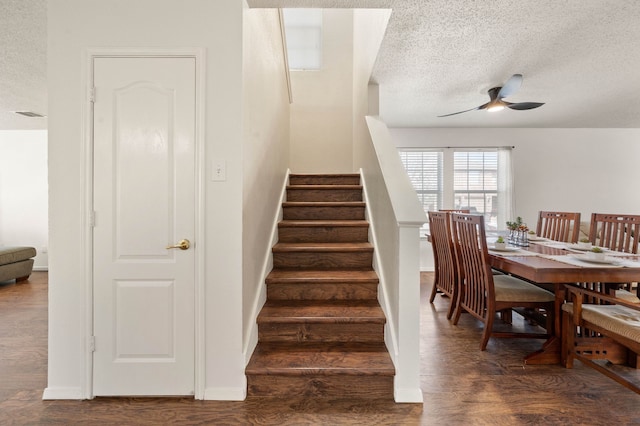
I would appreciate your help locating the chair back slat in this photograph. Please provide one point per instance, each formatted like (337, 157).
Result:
(615, 231)
(559, 226)
(476, 290)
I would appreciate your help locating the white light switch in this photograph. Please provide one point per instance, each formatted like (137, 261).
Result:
(218, 170)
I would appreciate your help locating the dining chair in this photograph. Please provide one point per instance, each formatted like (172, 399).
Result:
(559, 226)
(483, 294)
(617, 232)
(446, 270)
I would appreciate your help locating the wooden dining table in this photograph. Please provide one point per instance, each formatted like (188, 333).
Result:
(554, 273)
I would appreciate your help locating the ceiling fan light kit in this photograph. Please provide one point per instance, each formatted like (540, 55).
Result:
(497, 94)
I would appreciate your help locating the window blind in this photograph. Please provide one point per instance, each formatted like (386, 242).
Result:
(455, 178)
(424, 169)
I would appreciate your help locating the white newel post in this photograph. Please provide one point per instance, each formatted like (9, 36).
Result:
(407, 380)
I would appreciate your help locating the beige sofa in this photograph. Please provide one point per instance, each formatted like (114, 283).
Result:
(16, 263)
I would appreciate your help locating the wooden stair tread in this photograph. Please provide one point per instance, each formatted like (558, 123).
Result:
(321, 359)
(322, 276)
(323, 175)
(363, 311)
(322, 247)
(331, 187)
(323, 223)
(323, 204)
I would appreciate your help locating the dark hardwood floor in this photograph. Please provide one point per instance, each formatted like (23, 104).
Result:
(461, 385)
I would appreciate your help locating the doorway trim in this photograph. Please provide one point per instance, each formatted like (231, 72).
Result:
(89, 55)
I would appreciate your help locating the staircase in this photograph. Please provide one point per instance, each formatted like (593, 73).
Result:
(321, 331)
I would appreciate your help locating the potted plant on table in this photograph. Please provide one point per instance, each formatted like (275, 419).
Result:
(584, 244)
(500, 244)
(596, 253)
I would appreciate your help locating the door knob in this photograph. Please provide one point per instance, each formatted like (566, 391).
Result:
(182, 245)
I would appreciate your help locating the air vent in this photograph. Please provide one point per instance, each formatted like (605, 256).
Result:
(29, 113)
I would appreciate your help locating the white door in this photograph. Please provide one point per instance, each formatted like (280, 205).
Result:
(144, 201)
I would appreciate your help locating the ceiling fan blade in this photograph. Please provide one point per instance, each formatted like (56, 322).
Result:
(466, 110)
(511, 86)
(524, 105)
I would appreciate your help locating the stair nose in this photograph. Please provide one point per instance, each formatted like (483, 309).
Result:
(321, 312)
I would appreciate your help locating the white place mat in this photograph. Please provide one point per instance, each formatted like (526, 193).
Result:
(620, 254)
(577, 262)
(550, 243)
(608, 252)
(518, 252)
(630, 263)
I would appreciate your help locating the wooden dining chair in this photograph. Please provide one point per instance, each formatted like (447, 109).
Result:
(481, 293)
(455, 210)
(615, 231)
(559, 226)
(446, 270)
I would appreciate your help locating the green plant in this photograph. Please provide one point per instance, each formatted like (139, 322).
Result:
(584, 240)
(596, 250)
(515, 224)
(500, 240)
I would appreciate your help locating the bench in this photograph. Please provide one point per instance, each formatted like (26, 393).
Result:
(605, 328)
(16, 263)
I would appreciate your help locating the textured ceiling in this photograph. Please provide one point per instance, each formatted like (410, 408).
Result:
(580, 57)
(23, 63)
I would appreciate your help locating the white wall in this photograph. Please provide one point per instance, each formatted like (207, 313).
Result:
(321, 112)
(265, 156)
(23, 192)
(583, 170)
(73, 27)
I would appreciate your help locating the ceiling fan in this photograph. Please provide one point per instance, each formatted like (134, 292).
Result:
(497, 94)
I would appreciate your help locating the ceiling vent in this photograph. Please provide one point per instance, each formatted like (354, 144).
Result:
(29, 113)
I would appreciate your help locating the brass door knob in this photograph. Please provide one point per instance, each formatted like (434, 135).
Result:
(182, 245)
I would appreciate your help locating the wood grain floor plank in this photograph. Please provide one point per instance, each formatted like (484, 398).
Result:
(461, 385)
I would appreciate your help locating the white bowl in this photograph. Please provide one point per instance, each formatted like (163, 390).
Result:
(595, 256)
(500, 246)
(585, 246)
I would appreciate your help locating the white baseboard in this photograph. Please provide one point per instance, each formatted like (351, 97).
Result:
(41, 268)
(62, 393)
(225, 394)
(413, 396)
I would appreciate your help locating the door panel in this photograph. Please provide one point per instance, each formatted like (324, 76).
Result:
(144, 201)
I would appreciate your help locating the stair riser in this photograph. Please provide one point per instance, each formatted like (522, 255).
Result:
(329, 234)
(320, 386)
(315, 291)
(323, 213)
(329, 260)
(324, 180)
(313, 333)
(319, 195)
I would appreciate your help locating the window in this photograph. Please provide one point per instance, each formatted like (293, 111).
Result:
(456, 178)
(425, 172)
(303, 30)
